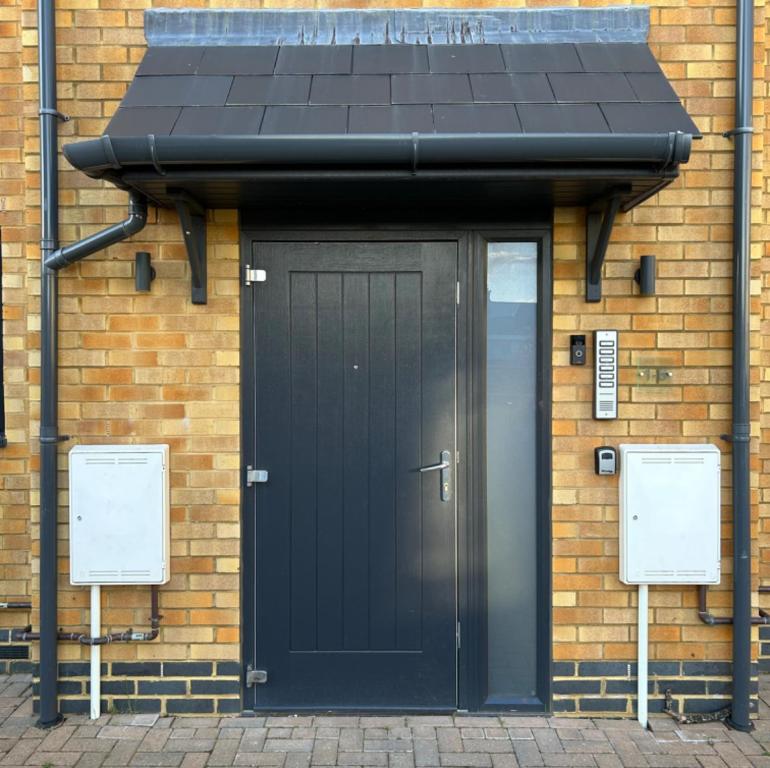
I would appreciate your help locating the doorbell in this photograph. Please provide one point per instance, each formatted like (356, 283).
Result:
(577, 349)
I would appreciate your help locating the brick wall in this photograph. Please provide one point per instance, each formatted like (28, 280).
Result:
(155, 368)
(15, 462)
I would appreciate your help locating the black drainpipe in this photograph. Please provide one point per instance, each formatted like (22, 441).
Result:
(54, 258)
(741, 427)
(49, 436)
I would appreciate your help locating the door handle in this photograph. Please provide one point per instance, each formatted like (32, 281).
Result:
(444, 467)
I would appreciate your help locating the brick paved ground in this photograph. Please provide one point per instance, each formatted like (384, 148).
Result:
(391, 742)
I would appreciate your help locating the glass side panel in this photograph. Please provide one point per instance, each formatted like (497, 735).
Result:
(511, 470)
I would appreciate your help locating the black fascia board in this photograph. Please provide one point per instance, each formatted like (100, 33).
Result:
(108, 157)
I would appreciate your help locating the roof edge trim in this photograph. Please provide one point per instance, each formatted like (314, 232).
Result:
(213, 27)
(105, 156)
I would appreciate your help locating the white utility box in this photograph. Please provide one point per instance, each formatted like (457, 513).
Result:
(119, 514)
(669, 514)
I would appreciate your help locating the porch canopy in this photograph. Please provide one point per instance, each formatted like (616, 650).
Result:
(441, 118)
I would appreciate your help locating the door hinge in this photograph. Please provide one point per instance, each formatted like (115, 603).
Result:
(253, 275)
(458, 635)
(255, 476)
(255, 676)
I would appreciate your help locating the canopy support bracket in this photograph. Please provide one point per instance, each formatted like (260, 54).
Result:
(599, 221)
(192, 219)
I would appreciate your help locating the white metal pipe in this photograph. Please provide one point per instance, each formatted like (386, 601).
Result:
(96, 651)
(641, 675)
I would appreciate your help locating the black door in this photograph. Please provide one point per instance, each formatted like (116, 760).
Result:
(354, 348)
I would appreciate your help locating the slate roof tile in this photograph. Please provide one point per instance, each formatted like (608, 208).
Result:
(139, 121)
(390, 59)
(644, 118)
(182, 60)
(511, 88)
(299, 120)
(616, 57)
(476, 118)
(540, 57)
(270, 89)
(178, 91)
(232, 121)
(350, 89)
(651, 86)
(239, 60)
(591, 87)
(431, 89)
(460, 59)
(314, 60)
(401, 118)
(558, 118)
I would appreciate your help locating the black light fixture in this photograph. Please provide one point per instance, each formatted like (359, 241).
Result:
(144, 273)
(645, 276)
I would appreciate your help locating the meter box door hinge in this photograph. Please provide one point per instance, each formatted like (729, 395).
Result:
(253, 275)
(255, 676)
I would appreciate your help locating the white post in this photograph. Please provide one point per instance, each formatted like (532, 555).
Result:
(641, 676)
(96, 651)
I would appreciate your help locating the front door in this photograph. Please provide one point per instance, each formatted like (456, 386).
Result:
(354, 383)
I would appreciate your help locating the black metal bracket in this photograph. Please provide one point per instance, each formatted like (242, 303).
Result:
(192, 219)
(599, 221)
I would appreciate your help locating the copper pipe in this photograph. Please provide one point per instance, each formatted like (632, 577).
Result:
(708, 618)
(27, 635)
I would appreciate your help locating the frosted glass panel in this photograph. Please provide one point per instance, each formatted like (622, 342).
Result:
(512, 272)
(511, 470)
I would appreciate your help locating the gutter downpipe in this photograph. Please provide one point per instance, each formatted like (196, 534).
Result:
(49, 437)
(741, 427)
(52, 259)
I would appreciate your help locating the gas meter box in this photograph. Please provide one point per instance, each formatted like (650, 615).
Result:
(119, 514)
(669, 514)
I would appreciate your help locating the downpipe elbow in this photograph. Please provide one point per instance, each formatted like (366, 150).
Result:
(137, 215)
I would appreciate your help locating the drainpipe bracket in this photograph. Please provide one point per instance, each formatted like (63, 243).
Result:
(55, 112)
(53, 438)
(738, 131)
(736, 438)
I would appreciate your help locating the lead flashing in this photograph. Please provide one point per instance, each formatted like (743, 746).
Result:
(187, 26)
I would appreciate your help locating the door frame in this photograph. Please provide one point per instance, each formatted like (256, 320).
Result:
(470, 433)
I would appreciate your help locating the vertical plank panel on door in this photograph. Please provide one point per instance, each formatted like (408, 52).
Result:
(330, 453)
(303, 397)
(408, 333)
(382, 473)
(355, 309)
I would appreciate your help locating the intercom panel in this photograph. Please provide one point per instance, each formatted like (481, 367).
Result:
(605, 374)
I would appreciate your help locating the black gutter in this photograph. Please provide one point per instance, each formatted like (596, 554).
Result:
(49, 435)
(741, 426)
(106, 155)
